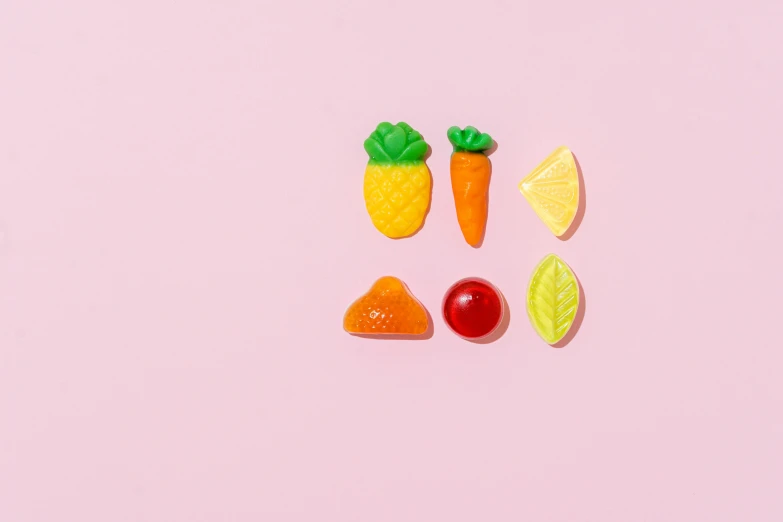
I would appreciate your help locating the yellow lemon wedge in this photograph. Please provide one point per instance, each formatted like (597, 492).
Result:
(552, 189)
(552, 299)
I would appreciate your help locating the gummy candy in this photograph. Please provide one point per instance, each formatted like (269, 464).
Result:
(397, 183)
(473, 308)
(388, 308)
(470, 173)
(552, 189)
(552, 299)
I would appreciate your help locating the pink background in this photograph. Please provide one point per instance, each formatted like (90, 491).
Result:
(182, 227)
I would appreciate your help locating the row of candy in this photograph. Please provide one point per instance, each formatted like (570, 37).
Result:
(398, 184)
(472, 308)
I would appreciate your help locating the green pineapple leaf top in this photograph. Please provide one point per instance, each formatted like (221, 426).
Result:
(469, 140)
(395, 144)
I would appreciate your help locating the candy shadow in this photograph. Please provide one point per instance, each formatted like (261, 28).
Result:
(490, 151)
(403, 337)
(429, 203)
(500, 330)
(580, 315)
(580, 211)
(428, 153)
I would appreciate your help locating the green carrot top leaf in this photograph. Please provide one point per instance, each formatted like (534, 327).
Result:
(395, 144)
(469, 139)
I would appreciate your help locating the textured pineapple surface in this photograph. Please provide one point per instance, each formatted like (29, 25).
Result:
(552, 299)
(397, 197)
(388, 308)
(552, 189)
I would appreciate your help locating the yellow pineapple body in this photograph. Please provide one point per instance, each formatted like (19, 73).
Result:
(397, 197)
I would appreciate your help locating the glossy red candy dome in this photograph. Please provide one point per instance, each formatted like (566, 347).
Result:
(473, 308)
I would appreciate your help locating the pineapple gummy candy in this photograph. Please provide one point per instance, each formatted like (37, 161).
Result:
(552, 299)
(397, 183)
(552, 189)
(388, 308)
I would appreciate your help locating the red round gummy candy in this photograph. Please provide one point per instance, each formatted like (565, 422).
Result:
(473, 308)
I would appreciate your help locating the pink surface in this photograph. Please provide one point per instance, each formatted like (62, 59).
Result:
(182, 227)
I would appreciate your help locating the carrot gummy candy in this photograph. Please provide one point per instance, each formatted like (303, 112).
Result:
(470, 173)
(388, 308)
(397, 183)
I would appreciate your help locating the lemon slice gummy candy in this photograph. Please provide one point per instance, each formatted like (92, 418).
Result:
(552, 189)
(552, 299)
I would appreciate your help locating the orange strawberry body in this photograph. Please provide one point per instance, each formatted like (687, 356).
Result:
(388, 308)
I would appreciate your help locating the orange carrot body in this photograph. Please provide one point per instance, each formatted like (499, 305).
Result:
(470, 173)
